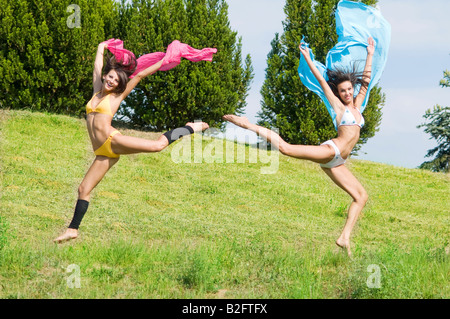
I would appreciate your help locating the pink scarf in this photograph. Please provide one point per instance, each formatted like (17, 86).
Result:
(175, 51)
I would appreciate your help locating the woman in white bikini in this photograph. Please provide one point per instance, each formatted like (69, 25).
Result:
(332, 154)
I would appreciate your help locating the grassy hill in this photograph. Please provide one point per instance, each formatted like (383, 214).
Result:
(158, 229)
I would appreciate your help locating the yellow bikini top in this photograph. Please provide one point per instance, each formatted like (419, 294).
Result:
(102, 107)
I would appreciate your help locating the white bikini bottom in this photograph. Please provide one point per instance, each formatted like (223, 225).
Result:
(337, 160)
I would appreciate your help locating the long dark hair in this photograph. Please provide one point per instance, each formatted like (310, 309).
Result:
(123, 69)
(358, 79)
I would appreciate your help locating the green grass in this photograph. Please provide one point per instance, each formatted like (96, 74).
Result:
(156, 229)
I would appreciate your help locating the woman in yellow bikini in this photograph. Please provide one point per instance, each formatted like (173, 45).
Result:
(111, 87)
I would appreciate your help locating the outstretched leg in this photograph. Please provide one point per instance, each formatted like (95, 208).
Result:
(319, 154)
(348, 182)
(94, 175)
(122, 144)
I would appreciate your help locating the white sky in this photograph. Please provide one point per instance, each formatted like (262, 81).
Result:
(419, 53)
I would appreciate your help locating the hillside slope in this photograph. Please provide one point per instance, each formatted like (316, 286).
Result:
(205, 229)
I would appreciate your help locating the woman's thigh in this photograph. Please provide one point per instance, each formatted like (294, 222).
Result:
(321, 154)
(342, 177)
(122, 144)
(95, 174)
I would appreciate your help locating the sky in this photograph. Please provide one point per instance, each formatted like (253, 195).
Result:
(419, 54)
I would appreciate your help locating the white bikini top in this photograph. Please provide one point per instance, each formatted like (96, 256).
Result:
(349, 119)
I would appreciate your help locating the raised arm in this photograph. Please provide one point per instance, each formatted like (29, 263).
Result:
(98, 67)
(334, 101)
(138, 77)
(367, 74)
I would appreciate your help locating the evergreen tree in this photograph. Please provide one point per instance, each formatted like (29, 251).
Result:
(445, 82)
(439, 128)
(190, 91)
(299, 114)
(47, 49)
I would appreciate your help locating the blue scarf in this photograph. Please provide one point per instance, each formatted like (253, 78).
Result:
(355, 23)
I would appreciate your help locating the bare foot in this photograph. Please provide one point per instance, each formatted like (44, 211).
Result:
(241, 121)
(68, 235)
(344, 244)
(198, 126)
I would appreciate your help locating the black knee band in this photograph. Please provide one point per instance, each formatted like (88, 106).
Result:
(80, 209)
(177, 133)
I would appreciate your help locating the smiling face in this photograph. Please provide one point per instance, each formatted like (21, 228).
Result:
(111, 81)
(345, 91)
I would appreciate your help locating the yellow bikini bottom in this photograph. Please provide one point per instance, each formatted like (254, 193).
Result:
(105, 149)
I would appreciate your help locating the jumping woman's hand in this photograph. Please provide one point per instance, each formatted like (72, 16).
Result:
(371, 46)
(103, 45)
(98, 67)
(334, 101)
(304, 50)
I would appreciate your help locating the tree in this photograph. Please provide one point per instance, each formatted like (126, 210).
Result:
(439, 128)
(47, 50)
(190, 91)
(445, 82)
(300, 115)
(47, 57)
